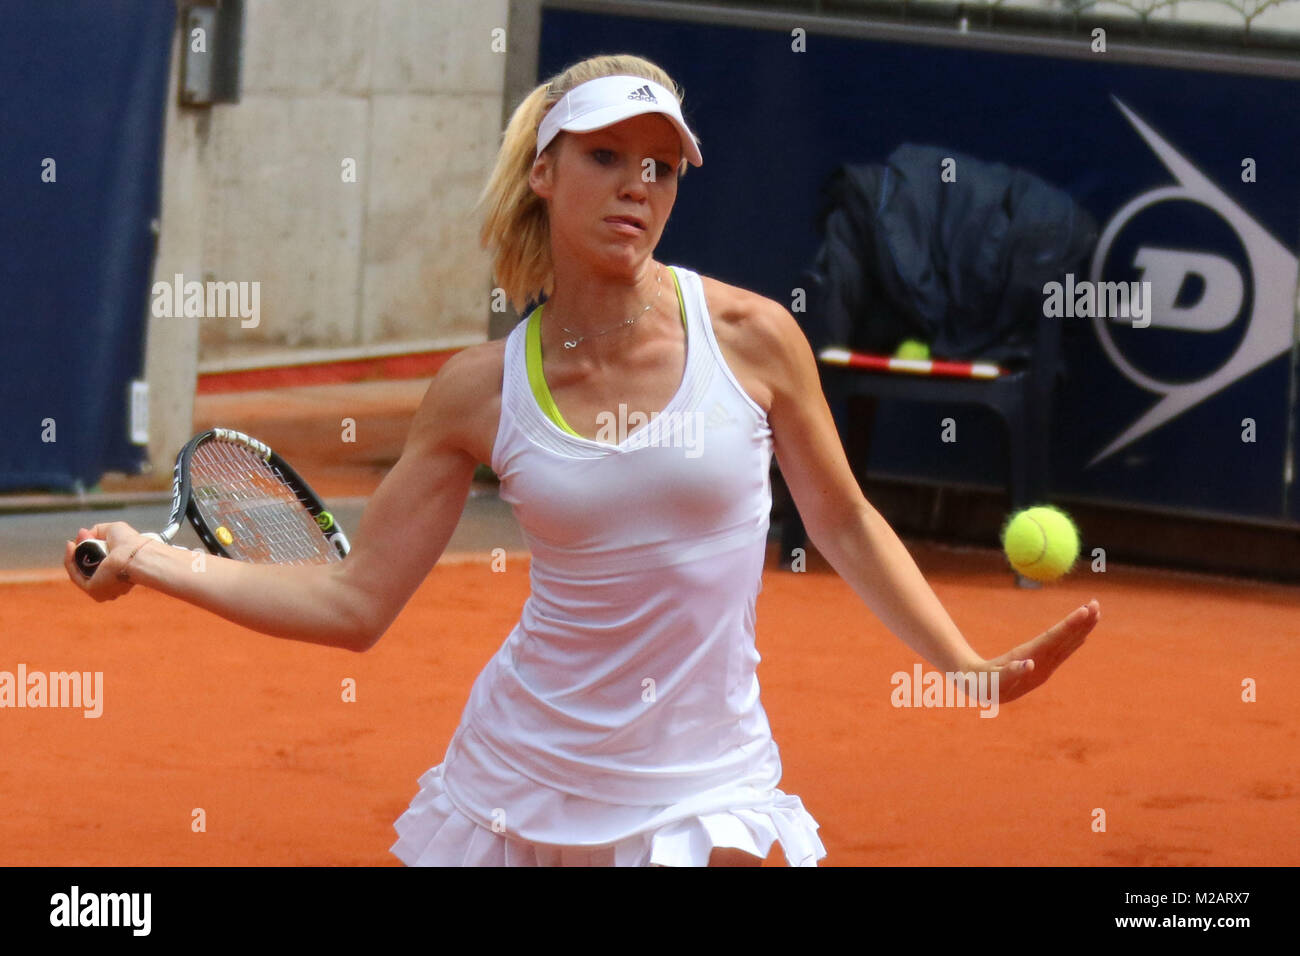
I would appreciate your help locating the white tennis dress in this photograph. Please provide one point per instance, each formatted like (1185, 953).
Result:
(620, 723)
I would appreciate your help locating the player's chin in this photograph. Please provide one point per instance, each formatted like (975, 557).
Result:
(625, 248)
(624, 257)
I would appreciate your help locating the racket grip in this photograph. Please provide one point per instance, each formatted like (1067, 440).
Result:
(88, 556)
(91, 552)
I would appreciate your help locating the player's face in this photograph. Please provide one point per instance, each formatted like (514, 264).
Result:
(628, 169)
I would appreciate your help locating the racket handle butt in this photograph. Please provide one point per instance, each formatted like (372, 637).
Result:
(88, 556)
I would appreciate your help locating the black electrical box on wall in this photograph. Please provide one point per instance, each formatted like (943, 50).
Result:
(211, 41)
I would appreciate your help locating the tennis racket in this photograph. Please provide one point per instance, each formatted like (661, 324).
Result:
(245, 502)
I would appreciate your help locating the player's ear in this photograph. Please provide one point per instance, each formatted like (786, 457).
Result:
(542, 176)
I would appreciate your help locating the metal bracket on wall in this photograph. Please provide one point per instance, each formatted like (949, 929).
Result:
(211, 51)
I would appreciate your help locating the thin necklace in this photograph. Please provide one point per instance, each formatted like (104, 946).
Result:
(573, 343)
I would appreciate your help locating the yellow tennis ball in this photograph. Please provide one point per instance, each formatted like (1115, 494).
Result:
(223, 535)
(325, 521)
(912, 349)
(1041, 543)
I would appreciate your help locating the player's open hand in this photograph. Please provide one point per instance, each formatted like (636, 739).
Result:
(1023, 668)
(106, 584)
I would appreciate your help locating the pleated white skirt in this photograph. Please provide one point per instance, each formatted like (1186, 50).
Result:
(435, 832)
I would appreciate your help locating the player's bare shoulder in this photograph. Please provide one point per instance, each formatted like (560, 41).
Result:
(756, 335)
(462, 406)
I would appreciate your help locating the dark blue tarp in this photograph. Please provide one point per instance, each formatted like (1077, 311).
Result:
(84, 83)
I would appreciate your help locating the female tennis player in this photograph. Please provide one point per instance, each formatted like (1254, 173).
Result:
(620, 721)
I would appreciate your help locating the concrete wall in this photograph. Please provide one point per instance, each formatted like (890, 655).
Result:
(411, 91)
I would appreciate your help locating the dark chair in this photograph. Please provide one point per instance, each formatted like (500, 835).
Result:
(1022, 397)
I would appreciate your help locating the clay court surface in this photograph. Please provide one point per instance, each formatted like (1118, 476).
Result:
(1146, 722)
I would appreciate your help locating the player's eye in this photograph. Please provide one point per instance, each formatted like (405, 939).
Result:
(662, 169)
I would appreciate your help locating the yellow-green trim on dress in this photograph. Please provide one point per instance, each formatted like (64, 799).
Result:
(533, 359)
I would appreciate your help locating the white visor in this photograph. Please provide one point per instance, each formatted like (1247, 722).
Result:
(609, 100)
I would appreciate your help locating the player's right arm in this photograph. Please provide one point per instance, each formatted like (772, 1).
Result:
(404, 530)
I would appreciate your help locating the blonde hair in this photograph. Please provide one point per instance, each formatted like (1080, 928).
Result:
(516, 228)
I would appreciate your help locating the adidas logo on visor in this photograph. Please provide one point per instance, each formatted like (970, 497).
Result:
(643, 94)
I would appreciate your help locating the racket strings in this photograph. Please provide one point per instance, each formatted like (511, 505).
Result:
(268, 522)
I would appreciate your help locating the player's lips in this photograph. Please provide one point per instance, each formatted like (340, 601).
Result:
(628, 225)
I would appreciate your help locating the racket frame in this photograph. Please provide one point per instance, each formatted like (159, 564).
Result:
(184, 506)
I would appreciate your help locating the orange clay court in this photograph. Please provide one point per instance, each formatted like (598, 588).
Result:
(1146, 722)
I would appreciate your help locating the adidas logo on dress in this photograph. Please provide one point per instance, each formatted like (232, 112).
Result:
(718, 417)
(643, 94)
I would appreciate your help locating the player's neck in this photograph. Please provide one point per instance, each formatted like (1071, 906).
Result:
(587, 303)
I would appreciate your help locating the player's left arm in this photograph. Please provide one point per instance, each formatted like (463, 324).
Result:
(852, 535)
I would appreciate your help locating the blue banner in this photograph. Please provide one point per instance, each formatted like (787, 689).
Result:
(82, 96)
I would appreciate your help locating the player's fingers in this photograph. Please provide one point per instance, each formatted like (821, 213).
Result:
(1078, 625)
(1071, 630)
(1030, 665)
(1050, 651)
(1018, 673)
(1080, 620)
(69, 549)
(1055, 643)
(111, 532)
(1015, 680)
